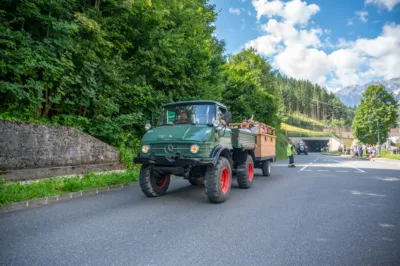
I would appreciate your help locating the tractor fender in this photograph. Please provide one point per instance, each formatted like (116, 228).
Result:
(220, 150)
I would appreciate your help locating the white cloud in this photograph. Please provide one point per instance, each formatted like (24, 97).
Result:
(342, 43)
(288, 33)
(296, 49)
(362, 15)
(266, 45)
(345, 63)
(328, 43)
(302, 63)
(294, 11)
(383, 52)
(297, 11)
(235, 11)
(389, 4)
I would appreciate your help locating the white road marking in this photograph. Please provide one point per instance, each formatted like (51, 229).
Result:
(360, 171)
(323, 170)
(303, 169)
(342, 171)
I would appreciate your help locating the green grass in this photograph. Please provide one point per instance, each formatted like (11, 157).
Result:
(293, 131)
(14, 192)
(388, 155)
(303, 121)
(306, 119)
(281, 143)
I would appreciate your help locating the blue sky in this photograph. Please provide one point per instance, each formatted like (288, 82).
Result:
(335, 43)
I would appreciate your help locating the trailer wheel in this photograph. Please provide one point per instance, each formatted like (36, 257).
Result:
(151, 184)
(245, 173)
(266, 168)
(218, 180)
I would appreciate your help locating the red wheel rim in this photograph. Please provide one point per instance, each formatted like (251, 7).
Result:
(225, 180)
(250, 171)
(161, 183)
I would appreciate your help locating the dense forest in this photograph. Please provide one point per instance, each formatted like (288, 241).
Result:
(311, 100)
(106, 66)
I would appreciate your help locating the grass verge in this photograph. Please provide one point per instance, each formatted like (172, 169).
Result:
(293, 131)
(15, 192)
(281, 144)
(388, 155)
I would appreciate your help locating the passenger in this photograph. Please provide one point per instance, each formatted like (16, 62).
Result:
(220, 117)
(245, 127)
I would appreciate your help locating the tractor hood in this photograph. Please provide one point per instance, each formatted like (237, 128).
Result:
(187, 132)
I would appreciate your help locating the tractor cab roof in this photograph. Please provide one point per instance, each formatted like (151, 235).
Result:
(195, 102)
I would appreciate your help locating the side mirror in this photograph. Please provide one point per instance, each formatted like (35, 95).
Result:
(228, 117)
(147, 127)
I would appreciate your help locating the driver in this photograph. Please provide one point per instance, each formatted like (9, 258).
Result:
(183, 118)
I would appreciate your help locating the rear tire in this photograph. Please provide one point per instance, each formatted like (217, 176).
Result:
(245, 173)
(266, 168)
(218, 180)
(151, 184)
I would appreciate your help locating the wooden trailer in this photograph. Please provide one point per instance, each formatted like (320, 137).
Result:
(265, 149)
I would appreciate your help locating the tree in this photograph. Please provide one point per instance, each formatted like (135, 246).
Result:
(375, 115)
(249, 88)
(106, 64)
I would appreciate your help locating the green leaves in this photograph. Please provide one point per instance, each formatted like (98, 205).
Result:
(249, 88)
(377, 112)
(112, 63)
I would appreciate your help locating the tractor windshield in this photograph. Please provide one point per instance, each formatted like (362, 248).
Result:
(202, 114)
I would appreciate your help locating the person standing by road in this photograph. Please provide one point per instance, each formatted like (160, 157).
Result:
(291, 150)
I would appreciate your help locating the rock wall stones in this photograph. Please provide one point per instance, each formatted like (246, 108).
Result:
(29, 145)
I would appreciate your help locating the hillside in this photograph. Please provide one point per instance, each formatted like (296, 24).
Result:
(351, 95)
(84, 65)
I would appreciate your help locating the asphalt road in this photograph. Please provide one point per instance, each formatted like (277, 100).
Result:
(326, 211)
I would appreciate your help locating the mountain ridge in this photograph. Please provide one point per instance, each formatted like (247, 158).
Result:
(351, 95)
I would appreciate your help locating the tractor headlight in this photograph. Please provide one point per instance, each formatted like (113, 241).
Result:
(145, 148)
(194, 149)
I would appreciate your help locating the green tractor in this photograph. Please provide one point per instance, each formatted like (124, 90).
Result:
(193, 140)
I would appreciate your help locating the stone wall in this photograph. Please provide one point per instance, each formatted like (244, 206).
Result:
(28, 145)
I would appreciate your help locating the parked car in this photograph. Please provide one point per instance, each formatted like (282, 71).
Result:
(302, 148)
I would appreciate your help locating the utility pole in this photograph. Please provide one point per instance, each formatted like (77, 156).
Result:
(377, 121)
(379, 137)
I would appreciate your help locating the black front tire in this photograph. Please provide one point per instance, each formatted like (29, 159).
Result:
(151, 184)
(218, 181)
(266, 168)
(245, 173)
